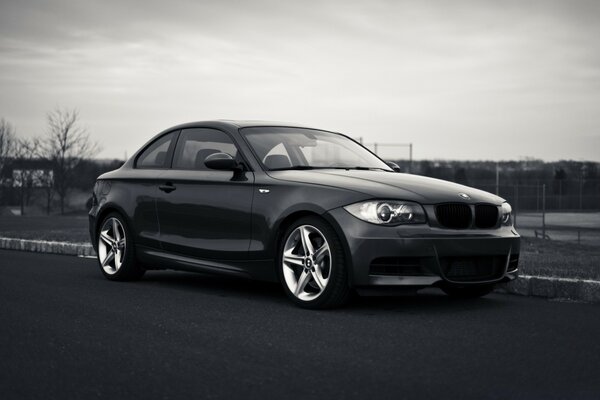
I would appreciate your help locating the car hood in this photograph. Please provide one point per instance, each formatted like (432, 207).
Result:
(390, 185)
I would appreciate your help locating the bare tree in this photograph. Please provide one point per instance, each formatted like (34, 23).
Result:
(7, 144)
(25, 151)
(67, 143)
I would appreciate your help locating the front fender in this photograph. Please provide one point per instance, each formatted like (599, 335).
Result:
(284, 202)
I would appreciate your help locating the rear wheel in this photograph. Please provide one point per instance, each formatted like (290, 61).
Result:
(116, 250)
(311, 265)
(468, 292)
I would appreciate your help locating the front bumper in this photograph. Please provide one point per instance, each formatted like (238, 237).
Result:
(420, 255)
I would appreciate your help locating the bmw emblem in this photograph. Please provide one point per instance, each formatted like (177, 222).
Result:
(465, 196)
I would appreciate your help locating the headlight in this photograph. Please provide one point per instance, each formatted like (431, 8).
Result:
(383, 212)
(506, 217)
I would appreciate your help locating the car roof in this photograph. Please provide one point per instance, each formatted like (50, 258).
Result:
(237, 124)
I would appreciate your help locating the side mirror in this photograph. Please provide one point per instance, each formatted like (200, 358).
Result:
(221, 161)
(394, 166)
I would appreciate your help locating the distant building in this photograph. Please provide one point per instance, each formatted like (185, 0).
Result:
(34, 173)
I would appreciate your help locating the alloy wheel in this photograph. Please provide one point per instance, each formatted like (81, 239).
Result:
(306, 262)
(111, 245)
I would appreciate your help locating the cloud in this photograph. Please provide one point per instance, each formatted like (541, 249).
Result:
(453, 73)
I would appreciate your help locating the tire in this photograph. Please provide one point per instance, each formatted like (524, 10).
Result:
(468, 292)
(315, 275)
(115, 237)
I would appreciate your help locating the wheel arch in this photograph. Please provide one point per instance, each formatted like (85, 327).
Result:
(325, 217)
(107, 209)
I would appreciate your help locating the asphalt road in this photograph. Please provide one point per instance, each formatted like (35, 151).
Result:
(66, 332)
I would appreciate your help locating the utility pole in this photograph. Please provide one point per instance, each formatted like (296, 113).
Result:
(544, 211)
(410, 149)
(581, 190)
(516, 205)
(497, 178)
(537, 196)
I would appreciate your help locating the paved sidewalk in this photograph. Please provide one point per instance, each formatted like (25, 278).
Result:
(44, 246)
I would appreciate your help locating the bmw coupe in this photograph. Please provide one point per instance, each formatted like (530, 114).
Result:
(312, 209)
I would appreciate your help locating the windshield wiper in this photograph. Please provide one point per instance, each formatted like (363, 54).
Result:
(307, 167)
(362, 168)
(295, 167)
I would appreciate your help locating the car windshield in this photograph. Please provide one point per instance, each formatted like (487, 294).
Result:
(299, 148)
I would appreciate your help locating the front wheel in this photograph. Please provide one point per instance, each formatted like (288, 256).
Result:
(116, 250)
(468, 292)
(311, 265)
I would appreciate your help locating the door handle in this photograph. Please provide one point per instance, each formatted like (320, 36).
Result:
(167, 187)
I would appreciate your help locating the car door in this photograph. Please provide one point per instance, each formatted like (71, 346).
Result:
(141, 186)
(205, 213)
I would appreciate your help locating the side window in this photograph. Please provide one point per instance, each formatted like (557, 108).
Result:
(156, 154)
(194, 145)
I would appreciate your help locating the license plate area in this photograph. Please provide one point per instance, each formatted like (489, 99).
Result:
(473, 269)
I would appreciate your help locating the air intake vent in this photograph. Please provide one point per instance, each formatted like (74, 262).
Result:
(486, 216)
(399, 266)
(454, 216)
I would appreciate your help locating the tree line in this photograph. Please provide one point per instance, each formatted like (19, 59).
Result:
(522, 172)
(568, 184)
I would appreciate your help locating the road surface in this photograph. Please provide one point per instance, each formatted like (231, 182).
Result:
(66, 332)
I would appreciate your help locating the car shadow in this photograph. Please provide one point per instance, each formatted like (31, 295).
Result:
(430, 299)
(223, 285)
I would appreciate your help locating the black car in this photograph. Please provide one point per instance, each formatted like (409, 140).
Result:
(310, 208)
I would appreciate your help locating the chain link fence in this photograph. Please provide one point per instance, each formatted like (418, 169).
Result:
(546, 210)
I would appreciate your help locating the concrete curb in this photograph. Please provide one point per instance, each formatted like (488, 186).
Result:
(554, 288)
(526, 285)
(43, 246)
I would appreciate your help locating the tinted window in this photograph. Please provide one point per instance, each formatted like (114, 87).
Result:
(194, 145)
(156, 154)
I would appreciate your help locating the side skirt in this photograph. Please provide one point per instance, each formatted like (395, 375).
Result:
(252, 269)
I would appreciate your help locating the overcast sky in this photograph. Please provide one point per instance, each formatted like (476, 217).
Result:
(459, 79)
